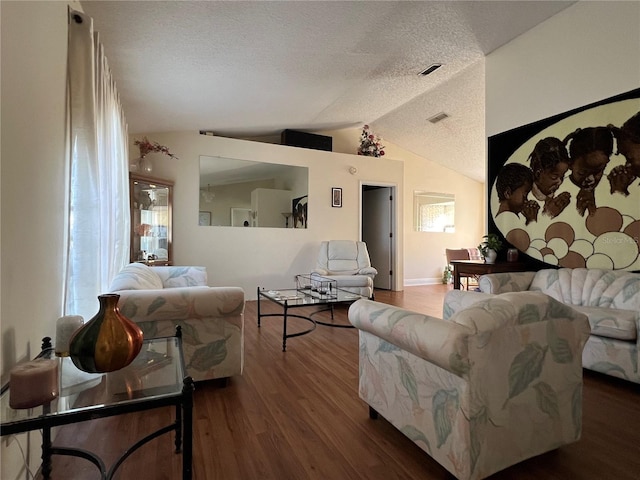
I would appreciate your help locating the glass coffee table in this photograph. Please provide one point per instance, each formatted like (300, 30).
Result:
(310, 291)
(156, 378)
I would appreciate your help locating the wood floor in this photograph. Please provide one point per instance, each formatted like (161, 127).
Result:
(297, 416)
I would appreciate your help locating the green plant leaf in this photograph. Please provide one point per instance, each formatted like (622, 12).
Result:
(560, 310)
(560, 348)
(408, 380)
(149, 329)
(189, 333)
(552, 277)
(630, 289)
(398, 315)
(416, 435)
(445, 406)
(129, 309)
(209, 355)
(155, 305)
(547, 399)
(525, 368)
(386, 347)
(528, 314)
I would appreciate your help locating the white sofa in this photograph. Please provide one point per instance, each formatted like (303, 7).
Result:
(498, 382)
(212, 318)
(609, 298)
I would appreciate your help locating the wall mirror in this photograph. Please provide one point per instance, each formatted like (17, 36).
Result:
(434, 212)
(245, 193)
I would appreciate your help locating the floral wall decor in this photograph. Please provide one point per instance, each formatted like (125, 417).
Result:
(565, 190)
(370, 143)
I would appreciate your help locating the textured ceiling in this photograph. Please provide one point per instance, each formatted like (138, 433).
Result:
(245, 69)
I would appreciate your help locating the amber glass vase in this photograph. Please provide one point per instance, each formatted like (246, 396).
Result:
(107, 342)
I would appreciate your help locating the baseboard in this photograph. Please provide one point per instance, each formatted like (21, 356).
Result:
(414, 282)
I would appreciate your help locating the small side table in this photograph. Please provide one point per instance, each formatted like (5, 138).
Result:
(464, 268)
(156, 378)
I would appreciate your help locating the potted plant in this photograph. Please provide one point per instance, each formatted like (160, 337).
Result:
(489, 247)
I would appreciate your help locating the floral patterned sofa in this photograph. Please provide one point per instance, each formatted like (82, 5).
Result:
(498, 382)
(609, 298)
(212, 318)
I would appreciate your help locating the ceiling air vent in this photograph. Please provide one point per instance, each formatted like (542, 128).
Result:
(438, 117)
(430, 69)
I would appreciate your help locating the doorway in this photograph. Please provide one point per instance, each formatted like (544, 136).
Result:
(378, 215)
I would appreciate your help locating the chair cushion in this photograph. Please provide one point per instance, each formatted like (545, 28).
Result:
(136, 276)
(611, 322)
(342, 256)
(352, 280)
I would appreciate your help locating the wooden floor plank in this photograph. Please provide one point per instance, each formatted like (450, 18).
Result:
(296, 415)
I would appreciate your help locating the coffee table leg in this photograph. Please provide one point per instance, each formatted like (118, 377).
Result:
(284, 329)
(258, 297)
(187, 429)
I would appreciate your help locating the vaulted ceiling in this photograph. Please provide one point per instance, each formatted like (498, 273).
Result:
(246, 69)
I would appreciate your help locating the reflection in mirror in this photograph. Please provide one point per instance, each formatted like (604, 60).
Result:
(244, 193)
(434, 212)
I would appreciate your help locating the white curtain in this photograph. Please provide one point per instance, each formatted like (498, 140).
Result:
(98, 234)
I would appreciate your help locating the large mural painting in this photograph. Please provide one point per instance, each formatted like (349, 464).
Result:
(566, 190)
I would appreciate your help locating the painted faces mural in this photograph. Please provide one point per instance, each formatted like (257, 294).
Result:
(568, 193)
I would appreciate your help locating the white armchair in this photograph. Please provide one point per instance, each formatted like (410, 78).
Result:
(348, 263)
(212, 318)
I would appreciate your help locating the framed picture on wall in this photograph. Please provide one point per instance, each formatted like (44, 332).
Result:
(204, 219)
(336, 197)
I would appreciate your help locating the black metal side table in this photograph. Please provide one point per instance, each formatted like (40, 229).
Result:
(156, 378)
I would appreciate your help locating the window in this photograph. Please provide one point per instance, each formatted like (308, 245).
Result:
(434, 212)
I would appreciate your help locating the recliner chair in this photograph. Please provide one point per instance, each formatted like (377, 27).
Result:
(348, 263)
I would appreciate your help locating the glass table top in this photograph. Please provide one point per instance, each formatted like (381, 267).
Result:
(299, 297)
(156, 372)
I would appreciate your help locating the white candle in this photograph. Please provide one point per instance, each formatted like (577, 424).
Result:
(65, 328)
(33, 383)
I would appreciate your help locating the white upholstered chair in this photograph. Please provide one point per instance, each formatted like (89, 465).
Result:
(348, 263)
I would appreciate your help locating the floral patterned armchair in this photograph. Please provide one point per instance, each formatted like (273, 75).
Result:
(212, 321)
(500, 381)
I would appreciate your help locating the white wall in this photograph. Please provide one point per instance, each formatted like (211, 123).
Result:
(267, 257)
(586, 53)
(34, 55)
(271, 257)
(424, 252)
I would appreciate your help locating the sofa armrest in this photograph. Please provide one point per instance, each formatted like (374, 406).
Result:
(456, 300)
(372, 272)
(181, 303)
(506, 282)
(432, 339)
